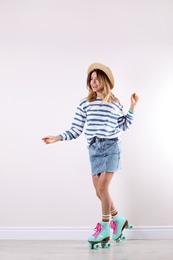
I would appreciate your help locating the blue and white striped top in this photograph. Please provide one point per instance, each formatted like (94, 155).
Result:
(100, 120)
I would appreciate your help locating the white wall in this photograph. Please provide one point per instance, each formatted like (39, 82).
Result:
(45, 50)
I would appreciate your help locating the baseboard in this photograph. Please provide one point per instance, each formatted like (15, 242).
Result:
(80, 233)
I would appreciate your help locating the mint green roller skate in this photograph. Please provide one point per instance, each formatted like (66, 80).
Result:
(118, 223)
(101, 236)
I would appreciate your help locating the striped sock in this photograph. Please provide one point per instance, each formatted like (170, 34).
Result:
(105, 218)
(114, 212)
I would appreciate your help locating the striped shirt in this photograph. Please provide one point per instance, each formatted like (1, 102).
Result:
(100, 120)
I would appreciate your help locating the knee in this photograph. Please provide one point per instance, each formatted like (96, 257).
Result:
(97, 193)
(101, 189)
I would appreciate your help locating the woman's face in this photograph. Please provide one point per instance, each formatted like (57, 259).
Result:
(95, 84)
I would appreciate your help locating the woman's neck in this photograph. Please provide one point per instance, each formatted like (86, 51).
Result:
(99, 95)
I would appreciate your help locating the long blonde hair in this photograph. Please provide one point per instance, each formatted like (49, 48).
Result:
(104, 81)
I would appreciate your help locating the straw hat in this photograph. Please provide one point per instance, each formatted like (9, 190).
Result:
(105, 69)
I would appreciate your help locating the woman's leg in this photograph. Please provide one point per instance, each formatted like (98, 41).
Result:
(118, 223)
(101, 183)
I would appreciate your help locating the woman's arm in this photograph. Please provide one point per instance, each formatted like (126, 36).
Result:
(75, 130)
(125, 121)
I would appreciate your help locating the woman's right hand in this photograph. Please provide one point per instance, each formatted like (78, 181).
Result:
(51, 139)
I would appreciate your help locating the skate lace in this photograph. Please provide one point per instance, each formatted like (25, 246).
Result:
(97, 230)
(114, 226)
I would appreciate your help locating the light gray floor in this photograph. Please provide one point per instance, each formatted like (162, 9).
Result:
(57, 250)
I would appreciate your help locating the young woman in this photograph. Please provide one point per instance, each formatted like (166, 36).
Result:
(102, 113)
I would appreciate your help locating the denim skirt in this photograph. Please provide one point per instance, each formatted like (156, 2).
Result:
(105, 155)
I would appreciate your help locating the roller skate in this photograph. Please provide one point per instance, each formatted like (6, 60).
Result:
(100, 237)
(118, 223)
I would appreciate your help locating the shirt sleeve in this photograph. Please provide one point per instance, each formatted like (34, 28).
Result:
(77, 125)
(124, 121)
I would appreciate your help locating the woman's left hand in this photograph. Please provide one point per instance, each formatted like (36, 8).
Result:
(134, 99)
